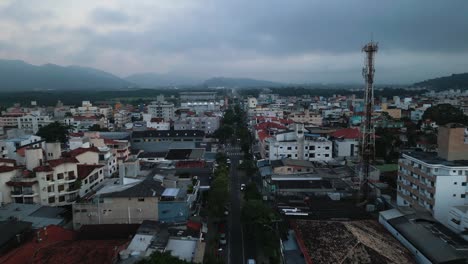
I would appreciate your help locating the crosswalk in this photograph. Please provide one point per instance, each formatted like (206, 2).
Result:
(233, 151)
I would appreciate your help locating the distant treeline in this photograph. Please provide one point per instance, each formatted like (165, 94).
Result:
(299, 91)
(50, 98)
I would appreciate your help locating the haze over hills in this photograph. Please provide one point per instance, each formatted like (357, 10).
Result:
(152, 79)
(19, 75)
(238, 82)
(454, 81)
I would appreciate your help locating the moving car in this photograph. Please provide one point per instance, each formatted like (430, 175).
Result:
(242, 187)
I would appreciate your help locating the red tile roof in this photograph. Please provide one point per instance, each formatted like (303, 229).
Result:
(44, 168)
(7, 168)
(79, 151)
(347, 133)
(84, 170)
(268, 125)
(12, 161)
(81, 251)
(57, 162)
(262, 135)
(157, 119)
(26, 252)
(13, 183)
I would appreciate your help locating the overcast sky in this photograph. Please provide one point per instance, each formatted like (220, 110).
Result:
(279, 40)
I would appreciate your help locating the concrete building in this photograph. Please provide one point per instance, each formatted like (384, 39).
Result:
(346, 143)
(427, 241)
(201, 107)
(197, 96)
(432, 182)
(32, 122)
(209, 124)
(252, 102)
(163, 110)
(298, 144)
(10, 119)
(127, 204)
(121, 118)
(306, 117)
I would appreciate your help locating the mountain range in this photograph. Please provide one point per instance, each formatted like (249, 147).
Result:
(19, 75)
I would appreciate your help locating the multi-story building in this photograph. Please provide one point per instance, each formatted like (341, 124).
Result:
(45, 181)
(161, 109)
(121, 118)
(307, 117)
(197, 96)
(252, 102)
(436, 182)
(346, 142)
(32, 123)
(10, 119)
(298, 144)
(200, 107)
(158, 124)
(206, 123)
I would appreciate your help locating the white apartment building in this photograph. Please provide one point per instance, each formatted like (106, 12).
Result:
(299, 145)
(88, 109)
(161, 109)
(32, 123)
(252, 102)
(436, 182)
(201, 107)
(121, 118)
(209, 124)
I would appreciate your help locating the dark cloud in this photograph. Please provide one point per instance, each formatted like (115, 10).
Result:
(292, 40)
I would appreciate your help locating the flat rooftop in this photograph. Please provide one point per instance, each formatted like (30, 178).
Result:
(38, 215)
(432, 158)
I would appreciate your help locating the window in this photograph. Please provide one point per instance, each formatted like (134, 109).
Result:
(462, 195)
(455, 183)
(289, 148)
(327, 147)
(463, 183)
(141, 199)
(454, 195)
(59, 176)
(327, 155)
(51, 199)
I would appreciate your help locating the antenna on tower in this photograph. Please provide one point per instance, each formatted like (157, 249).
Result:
(367, 144)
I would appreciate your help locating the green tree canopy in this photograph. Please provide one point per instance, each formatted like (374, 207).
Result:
(54, 132)
(445, 113)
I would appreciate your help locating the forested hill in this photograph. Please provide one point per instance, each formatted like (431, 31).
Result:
(454, 81)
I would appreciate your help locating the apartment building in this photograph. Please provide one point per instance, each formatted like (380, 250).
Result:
(10, 119)
(88, 109)
(209, 124)
(298, 144)
(197, 96)
(32, 122)
(307, 117)
(346, 142)
(436, 182)
(161, 109)
(121, 118)
(201, 107)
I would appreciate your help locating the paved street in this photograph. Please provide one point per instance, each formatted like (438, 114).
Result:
(233, 151)
(236, 251)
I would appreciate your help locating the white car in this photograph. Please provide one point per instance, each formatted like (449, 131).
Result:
(242, 187)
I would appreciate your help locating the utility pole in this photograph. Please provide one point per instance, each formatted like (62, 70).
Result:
(367, 128)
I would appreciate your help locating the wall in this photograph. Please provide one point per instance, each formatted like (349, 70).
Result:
(116, 211)
(445, 189)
